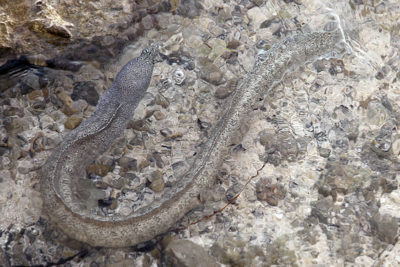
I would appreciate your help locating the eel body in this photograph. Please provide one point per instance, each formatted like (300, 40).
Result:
(62, 171)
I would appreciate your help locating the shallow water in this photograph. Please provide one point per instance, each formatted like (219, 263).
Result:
(328, 193)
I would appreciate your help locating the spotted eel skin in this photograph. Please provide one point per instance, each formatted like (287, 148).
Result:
(62, 171)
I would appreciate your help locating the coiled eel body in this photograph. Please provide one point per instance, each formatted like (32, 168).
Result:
(95, 135)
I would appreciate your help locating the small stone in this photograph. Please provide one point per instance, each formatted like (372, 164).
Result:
(230, 57)
(156, 157)
(147, 22)
(139, 125)
(324, 152)
(265, 137)
(132, 178)
(37, 107)
(35, 94)
(29, 82)
(86, 91)
(114, 204)
(257, 17)
(13, 111)
(101, 185)
(66, 100)
(136, 141)
(188, 9)
(322, 209)
(396, 145)
(232, 192)
(211, 73)
(79, 106)
(223, 92)
(156, 181)
(59, 30)
(106, 202)
(388, 186)
(162, 101)
(64, 64)
(128, 164)
(218, 46)
(337, 66)
(185, 253)
(383, 142)
(73, 122)
(119, 182)
(258, 2)
(321, 65)
(169, 135)
(233, 44)
(279, 146)
(38, 59)
(272, 193)
(98, 169)
(385, 227)
(224, 14)
(15, 125)
(159, 115)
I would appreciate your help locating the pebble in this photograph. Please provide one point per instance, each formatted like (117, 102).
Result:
(98, 169)
(233, 44)
(139, 125)
(119, 182)
(159, 115)
(189, 9)
(35, 94)
(211, 73)
(15, 125)
(279, 146)
(324, 152)
(13, 111)
(128, 164)
(385, 227)
(223, 92)
(271, 193)
(169, 134)
(73, 122)
(232, 192)
(258, 2)
(86, 91)
(185, 253)
(162, 101)
(156, 181)
(64, 64)
(66, 100)
(147, 22)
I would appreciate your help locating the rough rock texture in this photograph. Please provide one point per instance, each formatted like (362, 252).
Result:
(186, 253)
(327, 135)
(68, 28)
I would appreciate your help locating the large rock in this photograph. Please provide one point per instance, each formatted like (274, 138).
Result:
(37, 27)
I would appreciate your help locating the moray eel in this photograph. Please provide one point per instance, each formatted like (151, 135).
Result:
(62, 171)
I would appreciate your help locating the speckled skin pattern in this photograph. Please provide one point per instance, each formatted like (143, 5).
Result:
(95, 135)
